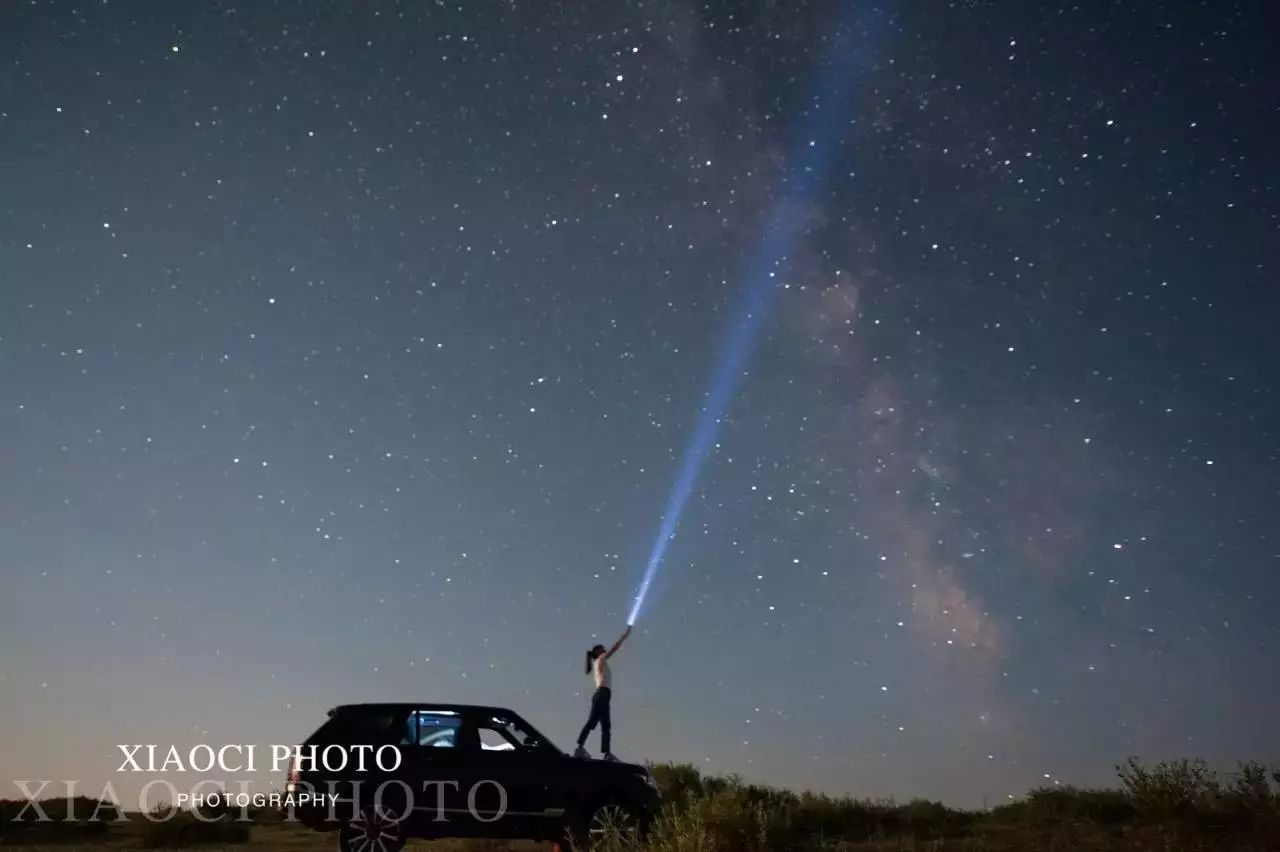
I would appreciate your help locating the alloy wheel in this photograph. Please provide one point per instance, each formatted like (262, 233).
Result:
(612, 821)
(373, 830)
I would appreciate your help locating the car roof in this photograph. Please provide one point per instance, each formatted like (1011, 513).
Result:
(425, 705)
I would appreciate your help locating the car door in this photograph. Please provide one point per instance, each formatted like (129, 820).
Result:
(507, 791)
(434, 767)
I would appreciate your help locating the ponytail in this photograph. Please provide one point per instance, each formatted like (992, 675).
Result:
(594, 653)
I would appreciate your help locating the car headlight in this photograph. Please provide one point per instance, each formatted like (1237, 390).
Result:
(647, 778)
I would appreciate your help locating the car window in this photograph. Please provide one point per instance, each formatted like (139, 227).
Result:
(493, 740)
(498, 733)
(432, 729)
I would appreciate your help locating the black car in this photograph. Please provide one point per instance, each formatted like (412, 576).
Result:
(381, 773)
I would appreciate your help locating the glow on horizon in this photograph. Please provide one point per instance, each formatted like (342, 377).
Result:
(782, 232)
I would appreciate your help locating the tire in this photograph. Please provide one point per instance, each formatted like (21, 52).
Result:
(610, 824)
(372, 830)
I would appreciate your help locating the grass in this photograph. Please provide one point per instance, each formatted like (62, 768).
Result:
(1166, 807)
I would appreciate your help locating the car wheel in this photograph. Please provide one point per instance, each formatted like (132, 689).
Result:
(610, 825)
(372, 830)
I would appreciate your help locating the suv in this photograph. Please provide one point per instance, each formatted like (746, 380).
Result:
(381, 773)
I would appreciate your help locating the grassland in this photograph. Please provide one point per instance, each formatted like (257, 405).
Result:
(1169, 807)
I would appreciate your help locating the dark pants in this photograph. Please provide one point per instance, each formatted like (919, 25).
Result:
(599, 713)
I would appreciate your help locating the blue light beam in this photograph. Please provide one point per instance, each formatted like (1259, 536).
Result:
(782, 231)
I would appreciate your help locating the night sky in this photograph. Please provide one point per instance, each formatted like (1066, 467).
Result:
(349, 351)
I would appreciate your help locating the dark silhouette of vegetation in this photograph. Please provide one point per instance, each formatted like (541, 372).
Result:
(77, 819)
(246, 813)
(188, 829)
(1174, 806)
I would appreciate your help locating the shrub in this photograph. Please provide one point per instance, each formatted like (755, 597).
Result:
(1171, 788)
(678, 782)
(80, 809)
(1251, 791)
(714, 814)
(222, 809)
(728, 820)
(1047, 805)
(1188, 797)
(52, 820)
(1174, 805)
(185, 829)
(246, 813)
(820, 817)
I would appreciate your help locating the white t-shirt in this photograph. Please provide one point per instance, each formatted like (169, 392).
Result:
(600, 669)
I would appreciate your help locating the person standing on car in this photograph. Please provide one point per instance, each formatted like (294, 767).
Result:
(598, 668)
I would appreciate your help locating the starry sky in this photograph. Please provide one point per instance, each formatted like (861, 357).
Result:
(348, 352)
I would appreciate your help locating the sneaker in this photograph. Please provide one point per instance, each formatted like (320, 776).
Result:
(608, 755)
(582, 753)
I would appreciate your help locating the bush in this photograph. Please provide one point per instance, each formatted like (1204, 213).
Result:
(1173, 805)
(1251, 792)
(1173, 788)
(677, 782)
(185, 829)
(223, 809)
(820, 817)
(1050, 805)
(51, 820)
(247, 813)
(724, 821)
(714, 814)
